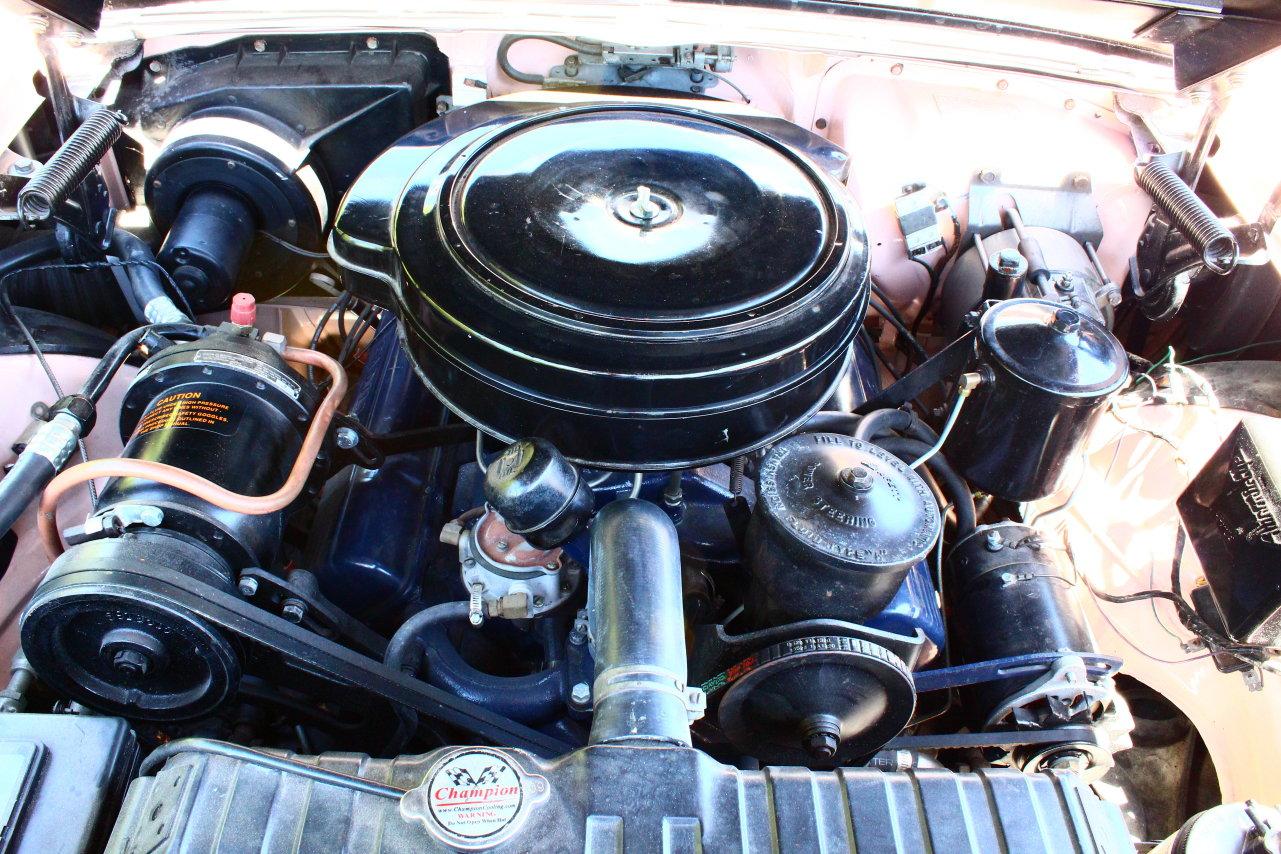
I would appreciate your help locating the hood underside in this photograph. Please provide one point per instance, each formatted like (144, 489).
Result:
(1153, 46)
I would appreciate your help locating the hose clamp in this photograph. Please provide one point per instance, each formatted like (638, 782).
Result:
(649, 680)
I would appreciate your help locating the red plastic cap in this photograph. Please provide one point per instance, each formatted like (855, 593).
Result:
(244, 309)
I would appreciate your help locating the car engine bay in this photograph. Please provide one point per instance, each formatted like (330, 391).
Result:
(473, 441)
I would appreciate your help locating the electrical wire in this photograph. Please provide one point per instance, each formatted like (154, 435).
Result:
(730, 83)
(876, 351)
(1233, 351)
(893, 318)
(947, 428)
(339, 304)
(938, 580)
(365, 320)
(294, 248)
(1188, 616)
(936, 271)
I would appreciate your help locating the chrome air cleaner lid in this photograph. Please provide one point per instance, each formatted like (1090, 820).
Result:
(645, 286)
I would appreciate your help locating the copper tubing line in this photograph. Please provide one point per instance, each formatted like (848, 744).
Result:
(194, 484)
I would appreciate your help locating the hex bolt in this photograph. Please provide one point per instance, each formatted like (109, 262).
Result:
(248, 587)
(131, 662)
(821, 736)
(857, 478)
(347, 438)
(1010, 262)
(580, 694)
(294, 610)
(1074, 761)
(994, 543)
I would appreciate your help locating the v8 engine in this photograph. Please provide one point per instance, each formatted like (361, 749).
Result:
(605, 484)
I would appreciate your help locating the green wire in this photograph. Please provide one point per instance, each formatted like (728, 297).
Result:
(1168, 357)
(1231, 352)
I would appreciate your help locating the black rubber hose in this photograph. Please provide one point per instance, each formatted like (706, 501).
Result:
(21, 486)
(33, 471)
(829, 421)
(529, 699)
(533, 699)
(411, 631)
(891, 316)
(505, 45)
(37, 250)
(110, 363)
(142, 272)
(883, 422)
(957, 490)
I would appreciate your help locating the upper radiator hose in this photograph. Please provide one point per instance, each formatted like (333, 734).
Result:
(637, 626)
(1194, 219)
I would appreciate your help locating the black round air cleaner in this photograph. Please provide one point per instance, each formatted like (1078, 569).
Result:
(645, 286)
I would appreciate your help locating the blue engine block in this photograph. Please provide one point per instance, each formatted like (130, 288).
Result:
(381, 525)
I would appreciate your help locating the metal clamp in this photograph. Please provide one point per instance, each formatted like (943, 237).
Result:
(113, 522)
(649, 680)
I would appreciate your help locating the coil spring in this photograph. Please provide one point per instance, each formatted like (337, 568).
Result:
(1194, 219)
(69, 165)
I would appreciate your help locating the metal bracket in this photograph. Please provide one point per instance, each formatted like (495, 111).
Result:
(689, 68)
(299, 600)
(961, 675)
(917, 212)
(1068, 690)
(946, 364)
(1068, 208)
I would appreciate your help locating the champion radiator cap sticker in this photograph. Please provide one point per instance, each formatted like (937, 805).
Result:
(474, 798)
